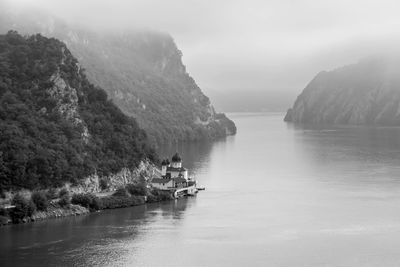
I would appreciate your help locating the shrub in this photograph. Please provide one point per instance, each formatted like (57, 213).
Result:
(51, 194)
(103, 184)
(3, 220)
(23, 208)
(63, 192)
(159, 195)
(121, 192)
(137, 189)
(40, 200)
(96, 204)
(88, 200)
(113, 202)
(151, 198)
(3, 212)
(65, 200)
(2, 193)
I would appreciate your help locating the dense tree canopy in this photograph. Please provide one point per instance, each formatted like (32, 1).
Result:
(41, 146)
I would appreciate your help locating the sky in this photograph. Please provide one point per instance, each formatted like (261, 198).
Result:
(274, 46)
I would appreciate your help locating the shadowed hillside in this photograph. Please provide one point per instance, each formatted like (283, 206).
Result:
(142, 73)
(364, 93)
(55, 125)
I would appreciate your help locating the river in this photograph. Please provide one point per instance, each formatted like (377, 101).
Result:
(276, 195)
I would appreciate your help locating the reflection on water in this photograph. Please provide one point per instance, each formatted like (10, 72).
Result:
(99, 239)
(276, 195)
(366, 155)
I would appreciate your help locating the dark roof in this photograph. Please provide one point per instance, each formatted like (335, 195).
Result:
(176, 158)
(160, 180)
(172, 169)
(179, 180)
(165, 162)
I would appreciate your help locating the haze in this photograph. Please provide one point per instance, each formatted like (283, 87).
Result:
(254, 48)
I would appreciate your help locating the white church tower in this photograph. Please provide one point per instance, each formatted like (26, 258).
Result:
(164, 165)
(176, 161)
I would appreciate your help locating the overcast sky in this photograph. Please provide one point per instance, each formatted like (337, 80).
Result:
(270, 45)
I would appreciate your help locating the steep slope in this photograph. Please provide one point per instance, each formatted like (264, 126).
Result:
(364, 93)
(55, 126)
(142, 72)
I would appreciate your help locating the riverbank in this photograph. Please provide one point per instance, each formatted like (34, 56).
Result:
(128, 187)
(54, 211)
(22, 209)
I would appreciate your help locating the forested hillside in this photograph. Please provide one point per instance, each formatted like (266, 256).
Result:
(364, 93)
(55, 126)
(142, 71)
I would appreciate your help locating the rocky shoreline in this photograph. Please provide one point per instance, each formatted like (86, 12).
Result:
(55, 210)
(58, 212)
(123, 189)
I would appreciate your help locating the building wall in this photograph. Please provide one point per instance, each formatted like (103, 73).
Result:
(165, 186)
(163, 170)
(177, 164)
(174, 174)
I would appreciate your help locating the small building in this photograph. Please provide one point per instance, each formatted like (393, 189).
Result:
(175, 169)
(173, 175)
(162, 183)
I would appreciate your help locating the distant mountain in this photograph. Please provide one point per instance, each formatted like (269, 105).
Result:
(55, 126)
(142, 73)
(364, 93)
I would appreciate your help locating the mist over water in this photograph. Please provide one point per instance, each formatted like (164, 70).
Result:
(256, 49)
(276, 195)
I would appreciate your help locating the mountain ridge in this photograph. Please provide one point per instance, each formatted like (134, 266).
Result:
(55, 126)
(143, 73)
(365, 93)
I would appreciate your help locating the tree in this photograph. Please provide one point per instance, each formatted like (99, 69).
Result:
(23, 209)
(40, 200)
(41, 146)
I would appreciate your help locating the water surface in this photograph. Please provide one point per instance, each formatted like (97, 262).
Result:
(276, 195)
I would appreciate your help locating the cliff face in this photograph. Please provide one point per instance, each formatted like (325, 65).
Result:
(364, 93)
(91, 184)
(146, 78)
(55, 126)
(142, 73)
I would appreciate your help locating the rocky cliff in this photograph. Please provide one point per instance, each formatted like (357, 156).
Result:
(55, 126)
(92, 184)
(364, 93)
(142, 73)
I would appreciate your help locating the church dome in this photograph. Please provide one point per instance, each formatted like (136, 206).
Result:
(165, 162)
(176, 158)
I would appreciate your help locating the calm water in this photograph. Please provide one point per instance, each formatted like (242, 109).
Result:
(276, 195)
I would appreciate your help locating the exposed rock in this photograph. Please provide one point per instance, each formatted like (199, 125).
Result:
(145, 171)
(48, 110)
(67, 103)
(54, 211)
(142, 72)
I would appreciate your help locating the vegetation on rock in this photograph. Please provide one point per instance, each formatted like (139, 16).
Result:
(139, 189)
(55, 126)
(143, 74)
(87, 200)
(39, 198)
(24, 208)
(364, 93)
